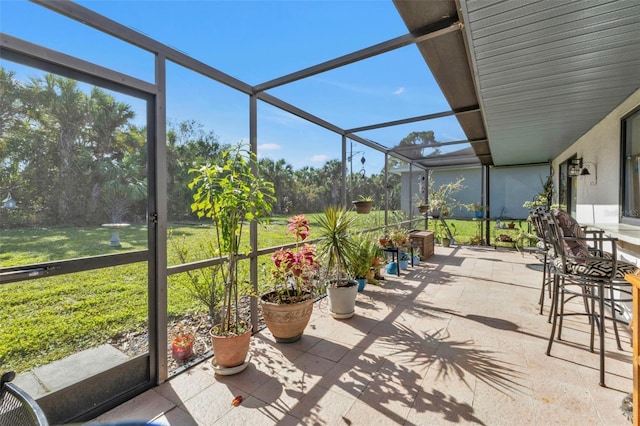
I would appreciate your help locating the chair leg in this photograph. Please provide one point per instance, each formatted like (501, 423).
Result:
(553, 312)
(553, 297)
(587, 292)
(614, 318)
(593, 320)
(601, 328)
(561, 302)
(544, 283)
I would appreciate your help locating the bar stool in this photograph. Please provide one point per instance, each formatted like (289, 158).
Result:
(595, 279)
(545, 253)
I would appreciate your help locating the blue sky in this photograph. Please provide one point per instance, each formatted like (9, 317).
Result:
(256, 41)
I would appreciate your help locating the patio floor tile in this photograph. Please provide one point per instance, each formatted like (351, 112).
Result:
(457, 339)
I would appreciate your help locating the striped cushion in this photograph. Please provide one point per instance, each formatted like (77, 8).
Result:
(596, 268)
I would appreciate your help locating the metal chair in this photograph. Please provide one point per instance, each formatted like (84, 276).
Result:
(545, 253)
(17, 408)
(579, 273)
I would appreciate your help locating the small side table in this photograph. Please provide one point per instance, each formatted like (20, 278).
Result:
(395, 255)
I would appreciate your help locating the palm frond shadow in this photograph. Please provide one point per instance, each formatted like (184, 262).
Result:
(456, 358)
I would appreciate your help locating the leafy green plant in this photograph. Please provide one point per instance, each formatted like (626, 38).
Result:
(230, 195)
(295, 270)
(364, 256)
(205, 285)
(336, 247)
(441, 198)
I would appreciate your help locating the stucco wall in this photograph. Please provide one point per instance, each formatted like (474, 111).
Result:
(599, 203)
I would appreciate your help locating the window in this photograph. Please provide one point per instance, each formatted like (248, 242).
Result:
(631, 170)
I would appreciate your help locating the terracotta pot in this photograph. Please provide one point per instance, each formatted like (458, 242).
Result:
(286, 321)
(363, 207)
(423, 209)
(230, 351)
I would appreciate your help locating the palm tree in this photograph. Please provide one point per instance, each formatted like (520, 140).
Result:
(281, 174)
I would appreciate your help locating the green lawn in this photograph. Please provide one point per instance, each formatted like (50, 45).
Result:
(53, 317)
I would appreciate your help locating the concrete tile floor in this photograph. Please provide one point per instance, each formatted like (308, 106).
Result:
(457, 339)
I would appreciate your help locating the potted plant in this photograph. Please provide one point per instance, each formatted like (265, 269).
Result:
(403, 260)
(231, 194)
(441, 200)
(336, 248)
(363, 205)
(478, 210)
(287, 308)
(445, 234)
(423, 206)
(182, 343)
(399, 237)
(366, 253)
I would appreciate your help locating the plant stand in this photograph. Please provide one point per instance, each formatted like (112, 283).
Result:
(229, 371)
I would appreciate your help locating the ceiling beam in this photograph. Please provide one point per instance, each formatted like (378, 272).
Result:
(457, 112)
(436, 29)
(437, 144)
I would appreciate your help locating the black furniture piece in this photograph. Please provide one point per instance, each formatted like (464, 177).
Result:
(17, 408)
(395, 255)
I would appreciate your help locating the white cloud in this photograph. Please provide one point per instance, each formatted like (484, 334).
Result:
(269, 147)
(399, 91)
(319, 158)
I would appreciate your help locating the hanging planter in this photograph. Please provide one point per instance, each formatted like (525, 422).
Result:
(363, 207)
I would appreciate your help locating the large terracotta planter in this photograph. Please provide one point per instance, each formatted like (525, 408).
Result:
(230, 351)
(286, 321)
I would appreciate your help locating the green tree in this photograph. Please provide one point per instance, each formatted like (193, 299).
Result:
(188, 144)
(280, 173)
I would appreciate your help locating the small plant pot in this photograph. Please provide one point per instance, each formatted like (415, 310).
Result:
(392, 268)
(362, 282)
(423, 209)
(479, 214)
(182, 353)
(511, 225)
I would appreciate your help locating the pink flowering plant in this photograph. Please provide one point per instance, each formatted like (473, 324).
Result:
(295, 269)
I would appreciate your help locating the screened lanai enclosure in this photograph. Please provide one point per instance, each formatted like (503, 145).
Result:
(102, 121)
